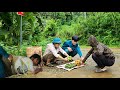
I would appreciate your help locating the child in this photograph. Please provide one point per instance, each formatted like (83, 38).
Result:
(101, 54)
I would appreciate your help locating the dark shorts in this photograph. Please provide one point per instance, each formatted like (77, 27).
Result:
(73, 53)
(103, 61)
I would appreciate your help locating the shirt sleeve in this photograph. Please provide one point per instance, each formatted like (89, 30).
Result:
(79, 51)
(88, 54)
(3, 52)
(62, 51)
(53, 50)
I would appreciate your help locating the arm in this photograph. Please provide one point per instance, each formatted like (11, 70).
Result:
(61, 58)
(42, 63)
(65, 47)
(79, 51)
(53, 50)
(63, 52)
(37, 70)
(88, 54)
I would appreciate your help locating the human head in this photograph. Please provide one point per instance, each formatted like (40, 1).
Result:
(36, 59)
(56, 42)
(92, 41)
(75, 39)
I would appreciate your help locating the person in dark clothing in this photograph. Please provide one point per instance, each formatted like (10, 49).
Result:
(30, 64)
(72, 48)
(101, 54)
(5, 63)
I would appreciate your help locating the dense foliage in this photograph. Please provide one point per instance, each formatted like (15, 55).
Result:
(39, 28)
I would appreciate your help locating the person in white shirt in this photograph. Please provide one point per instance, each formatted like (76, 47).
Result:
(54, 52)
(26, 64)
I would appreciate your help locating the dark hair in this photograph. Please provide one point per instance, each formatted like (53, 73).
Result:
(75, 38)
(36, 56)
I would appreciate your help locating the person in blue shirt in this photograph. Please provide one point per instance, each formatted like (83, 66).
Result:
(5, 59)
(72, 48)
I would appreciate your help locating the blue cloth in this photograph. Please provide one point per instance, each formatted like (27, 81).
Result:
(75, 48)
(2, 70)
(3, 53)
(57, 40)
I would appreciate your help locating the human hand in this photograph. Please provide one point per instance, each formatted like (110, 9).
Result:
(82, 58)
(41, 64)
(37, 70)
(66, 59)
(70, 49)
(83, 63)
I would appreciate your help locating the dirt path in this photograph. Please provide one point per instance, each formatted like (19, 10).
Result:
(83, 72)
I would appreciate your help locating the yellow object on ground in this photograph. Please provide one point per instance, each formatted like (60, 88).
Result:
(78, 62)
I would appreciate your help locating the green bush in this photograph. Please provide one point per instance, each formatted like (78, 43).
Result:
(39, 28)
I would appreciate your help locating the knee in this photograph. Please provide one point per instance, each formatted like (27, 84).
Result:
(112, 63)
(50, 56)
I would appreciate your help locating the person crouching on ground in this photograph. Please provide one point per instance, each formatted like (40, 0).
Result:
(25, 64)
(72, 48)
(54, 52)
(101, 54)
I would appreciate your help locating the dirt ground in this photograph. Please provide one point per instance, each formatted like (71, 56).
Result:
(83, 72)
